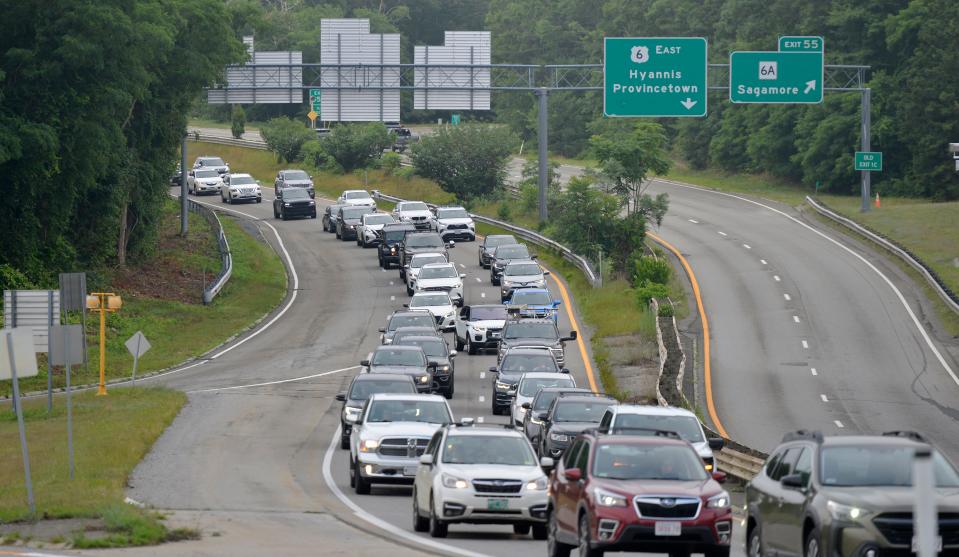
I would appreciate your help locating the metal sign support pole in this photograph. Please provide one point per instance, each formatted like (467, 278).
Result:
(184, 199)
(136, 362)
(926, 523)
(23, 434)
(70, 421)
(865, 132)
(543, 131)
(49, 352)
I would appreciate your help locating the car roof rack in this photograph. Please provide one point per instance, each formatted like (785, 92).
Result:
(906, 434)
(625, 430)
(803, 435)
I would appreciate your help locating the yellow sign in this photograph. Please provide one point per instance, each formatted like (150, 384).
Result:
(312, 116)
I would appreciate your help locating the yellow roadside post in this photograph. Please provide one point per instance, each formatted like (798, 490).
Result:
(103, 302)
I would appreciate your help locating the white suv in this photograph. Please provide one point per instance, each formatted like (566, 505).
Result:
(440, 277)
(439, 305)
(416, 263)
(240, 187)
(453, 223)
(416, 213)
(480, 327)
(390, 435)
(530, 384)
(626, 417)
(477, 474)
(370, 224)
(356, 198)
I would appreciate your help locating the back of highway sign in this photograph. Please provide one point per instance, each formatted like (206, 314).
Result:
(654, 76)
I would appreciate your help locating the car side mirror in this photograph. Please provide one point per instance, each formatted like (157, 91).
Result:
(382, 329)
(365, 363)
(406, 305)
(341, 397)
(573, 335)
(426, 460)
(564, 370)
(793, 481)
(452, 244)
(556, 303)
(719, 476)
(716, 443)
(573, 474)
(525, 405)
(545, 273)
(541, 416)
(453, 353)
(462, 275)
(546, 462)
(534, 256)
(493, 370)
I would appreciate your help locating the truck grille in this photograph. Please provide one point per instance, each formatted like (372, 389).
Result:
(438, 288)
(683, 508)
(897, 527)
(497, 486)
(402, 447)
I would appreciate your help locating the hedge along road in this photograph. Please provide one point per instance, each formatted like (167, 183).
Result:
(805, 334)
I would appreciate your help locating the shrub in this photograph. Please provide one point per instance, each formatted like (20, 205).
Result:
(665, 310)
(355, 146)
(237, 121)
(406, 172)
(390, 162)
(503, 213)
(529, 197)
(286, 137)
(651, 269)
(649, 290)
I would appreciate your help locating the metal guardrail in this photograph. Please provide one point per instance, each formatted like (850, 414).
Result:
(226, 258)
(195, 135)
(533, 237)
(948, 296)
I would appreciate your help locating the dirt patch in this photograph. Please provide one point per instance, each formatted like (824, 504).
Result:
(635, 364)
(47, 533)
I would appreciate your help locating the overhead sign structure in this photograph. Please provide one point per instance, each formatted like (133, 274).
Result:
(868, 160)
(654, 76)
(792, 75)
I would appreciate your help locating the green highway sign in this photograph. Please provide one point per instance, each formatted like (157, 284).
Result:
(455, 119)
(776, 77)
(316, 96)
(801, 44)
(868, 160)
(654, 76)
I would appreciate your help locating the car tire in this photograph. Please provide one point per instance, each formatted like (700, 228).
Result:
(259, 200)
(438, 528)
(811, 546)
(459, 343)
(470, 348)
(521, 529)
(283, 216)
(409, 291)
(313, 216)
(585, 543)
(362, 485)
(344, 441)
(420, 523)
(554, 547)
(352, 474)
(754, 542)
(448, 392)
(539, 532)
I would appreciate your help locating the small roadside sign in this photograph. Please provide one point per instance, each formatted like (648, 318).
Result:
(138, 346)
(316, 99)
(66, 345)
(24, 360)
(868, 160)
(312, 116)
(455, 119)
(800, 44)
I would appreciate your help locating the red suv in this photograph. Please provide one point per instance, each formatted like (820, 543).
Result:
(643, 491)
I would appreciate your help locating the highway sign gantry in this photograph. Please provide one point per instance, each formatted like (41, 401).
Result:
(654, 76)
(868, 160)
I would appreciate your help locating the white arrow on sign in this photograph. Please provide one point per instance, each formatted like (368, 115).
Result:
(810, 86)
(688, 103)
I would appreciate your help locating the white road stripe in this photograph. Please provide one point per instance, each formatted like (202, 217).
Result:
(763, 261)
(813, 371)
(824, 398)
(694, 221)
(267, 383)
(776, 278)
(838, 424)
(462, 266)
(482, 375)
(480, 420)
(787, 297)
(392, 298)
(479, 279)
(796, 318)
(482, 294)
(721, 233)
(747, 246)
(482, 398)
(805, 344)
(391, 283)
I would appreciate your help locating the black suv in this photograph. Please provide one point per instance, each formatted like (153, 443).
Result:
(569, 415)
(348, 218)
(391, 236)
(329, 217)
(439, 354)
(502, 255)
(420, 242)
(293, 202)
(510, 370)
(405, 318)
(845, 496)
(403, 360)
(534, 332)
(362, 386)
(490, 243)
(532, 425)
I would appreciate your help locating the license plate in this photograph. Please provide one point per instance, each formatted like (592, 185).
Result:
(669, 528)
(915, 544)
(497, 504)
(409, 470)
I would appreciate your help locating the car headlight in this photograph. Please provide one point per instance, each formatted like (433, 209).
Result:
(720, 501)
(423, 379)
(562, 437)
(287, 204)
(539, 484)
(444, 369)
(608, 499)
(350, 414)
(842, 512)
(500, 386)
(369, 445)
(312, 203)
(534, 420)
(393, 249)
(479, 329)
(453, 482)
(352, 227)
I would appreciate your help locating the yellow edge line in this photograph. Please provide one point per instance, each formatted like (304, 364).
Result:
(708, 378)
(568, 306)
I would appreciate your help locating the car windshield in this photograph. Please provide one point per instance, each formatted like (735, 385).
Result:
(529, 387)
(438, 273)
(686, 426)
(499, 240)
(879, 466)
(522, 269)
(206, 174)
(295, 193)
(419, 261)
(433, 412)
(452, 214)
(354, 212)
(531, 298)
(424, 241)
(414, 206)
(522, 363)
(362, 390)
(433, 347)
(543, 401)
(581, 411)
(495, 313)
(503, 450)
(424, 300)
(647, 462)
(512, 252)
(393, 236)
(295, 175)
(405, 332)
(212, 161)
(378, 219)
(531, 330)
(357, 195)
(391, 357)
(241, 180)
(424, 320)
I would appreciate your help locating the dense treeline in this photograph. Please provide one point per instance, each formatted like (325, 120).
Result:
(93, 102)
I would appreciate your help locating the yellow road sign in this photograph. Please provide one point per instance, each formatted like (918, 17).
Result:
(312, 115)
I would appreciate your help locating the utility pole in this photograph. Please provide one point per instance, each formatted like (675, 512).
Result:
(184, 197)
(865, 132)
(543, 137)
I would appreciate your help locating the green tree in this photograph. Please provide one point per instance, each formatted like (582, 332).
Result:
(286, 137)
(628, 155)
(468, 160)
(355, 146)
(237, 121)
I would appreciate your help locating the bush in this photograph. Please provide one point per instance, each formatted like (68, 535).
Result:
(503, 213)
(529, 197)
(651, 269)
(237, 121)
(665, 310)
(468, 161)
(286, 137)
(649, 290)
(390, 162)
(355, 146)
(406, 172)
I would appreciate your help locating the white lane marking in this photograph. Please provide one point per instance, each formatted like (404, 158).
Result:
(482, 375)
(763, 261)
(479, 279)
(837, 243)
(824, 398)
(805, 344)
(482, 294)
(776, 278)
(787, 297)
(462, 266)
(278, 382)
(747, 246)
(796, 318)
(721, 233)
(392, 298)
(374, 520)
(480, 420)
(813, 371)
(391, 283)
(384, 270)
(482, 398)
(838, 424)
(694, 221)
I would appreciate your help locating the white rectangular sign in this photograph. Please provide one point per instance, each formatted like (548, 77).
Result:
(31, 308)
(24, 357)
(447, 87)
(361, 91)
